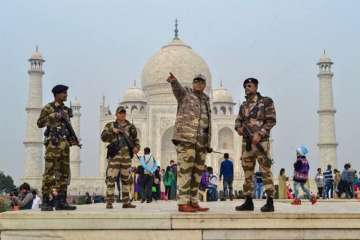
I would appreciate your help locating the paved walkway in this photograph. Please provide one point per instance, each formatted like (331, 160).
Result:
(281, 206)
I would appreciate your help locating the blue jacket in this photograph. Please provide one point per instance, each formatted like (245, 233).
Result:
(149, 164)
(227, 170)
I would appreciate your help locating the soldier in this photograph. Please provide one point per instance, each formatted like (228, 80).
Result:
(192, 138)
(55, 116)
(122, 136)
(255, 120)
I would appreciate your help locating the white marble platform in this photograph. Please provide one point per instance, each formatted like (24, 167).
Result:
(335, 219)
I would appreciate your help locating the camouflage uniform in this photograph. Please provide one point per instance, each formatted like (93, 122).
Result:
(121, 163)
(57, 153)
(258, 114)
(192, 138)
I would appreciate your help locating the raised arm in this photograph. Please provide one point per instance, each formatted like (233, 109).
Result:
(178, 90)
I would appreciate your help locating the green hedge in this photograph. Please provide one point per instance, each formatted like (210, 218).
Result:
(5, 204)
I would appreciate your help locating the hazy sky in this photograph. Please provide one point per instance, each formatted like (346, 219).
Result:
(100, 47)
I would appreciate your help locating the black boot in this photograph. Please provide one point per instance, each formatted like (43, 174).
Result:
(46, 205)
(62, 203)
(269, 206)
(248, 205)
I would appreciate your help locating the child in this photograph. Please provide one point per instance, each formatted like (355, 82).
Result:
(301, 175)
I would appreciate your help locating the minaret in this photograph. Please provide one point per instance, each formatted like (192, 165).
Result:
(33, 142)
(327, 138)
(75, 150)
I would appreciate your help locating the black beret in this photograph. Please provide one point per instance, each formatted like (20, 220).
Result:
(59, 89)
(251, 80)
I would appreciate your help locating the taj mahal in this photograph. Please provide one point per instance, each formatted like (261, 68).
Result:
(151, 107)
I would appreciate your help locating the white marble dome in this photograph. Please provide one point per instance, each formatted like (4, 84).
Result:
(36, 56)
(178, 58)
(134, 94)
(325, 58)
(222, 95)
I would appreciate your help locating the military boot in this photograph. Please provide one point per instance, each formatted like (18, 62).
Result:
(248, 205)
(46, 205)
(269, 206)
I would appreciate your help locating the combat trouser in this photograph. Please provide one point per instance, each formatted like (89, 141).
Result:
(121, 163)
(57, 168)
(191, 164)
(248, 161)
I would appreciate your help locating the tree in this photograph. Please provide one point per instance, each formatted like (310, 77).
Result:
(6, 183)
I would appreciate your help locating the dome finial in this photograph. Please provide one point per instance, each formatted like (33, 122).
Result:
(37, 48)
(221, 83)
(176, 29)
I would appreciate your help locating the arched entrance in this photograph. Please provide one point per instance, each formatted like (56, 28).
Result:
(226, 139)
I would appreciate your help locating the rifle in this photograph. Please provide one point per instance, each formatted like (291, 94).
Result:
(247, 135)
(121, 141)
(72, 135)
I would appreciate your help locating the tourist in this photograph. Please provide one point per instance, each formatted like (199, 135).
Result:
(212, 193)
(259, 184)
(36, 199)
(356, 185)
(282, 184)
(156, 184)
(87, 198)
(345, 185)
(254, 122)
(301, 175)
(319, 180)
(289, 191)
(329, 182)
(173, 192)
(138, 179)
(337, 179)
(150, 165)
(227, 174)
(25, 198)
(169, 182)
(163, 196)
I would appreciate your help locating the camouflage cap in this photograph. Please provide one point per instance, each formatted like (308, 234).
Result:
(59, 89)
(251, 80)
(199, 77)
(121, 109)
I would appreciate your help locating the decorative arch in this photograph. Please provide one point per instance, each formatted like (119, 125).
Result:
(226, 139)
(215, 110)
(168, 151)
(133, 108)
(223, 110)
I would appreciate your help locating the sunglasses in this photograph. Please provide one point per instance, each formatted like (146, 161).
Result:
(248, 86)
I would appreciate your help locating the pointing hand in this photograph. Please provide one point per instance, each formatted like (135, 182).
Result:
(171, 78)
